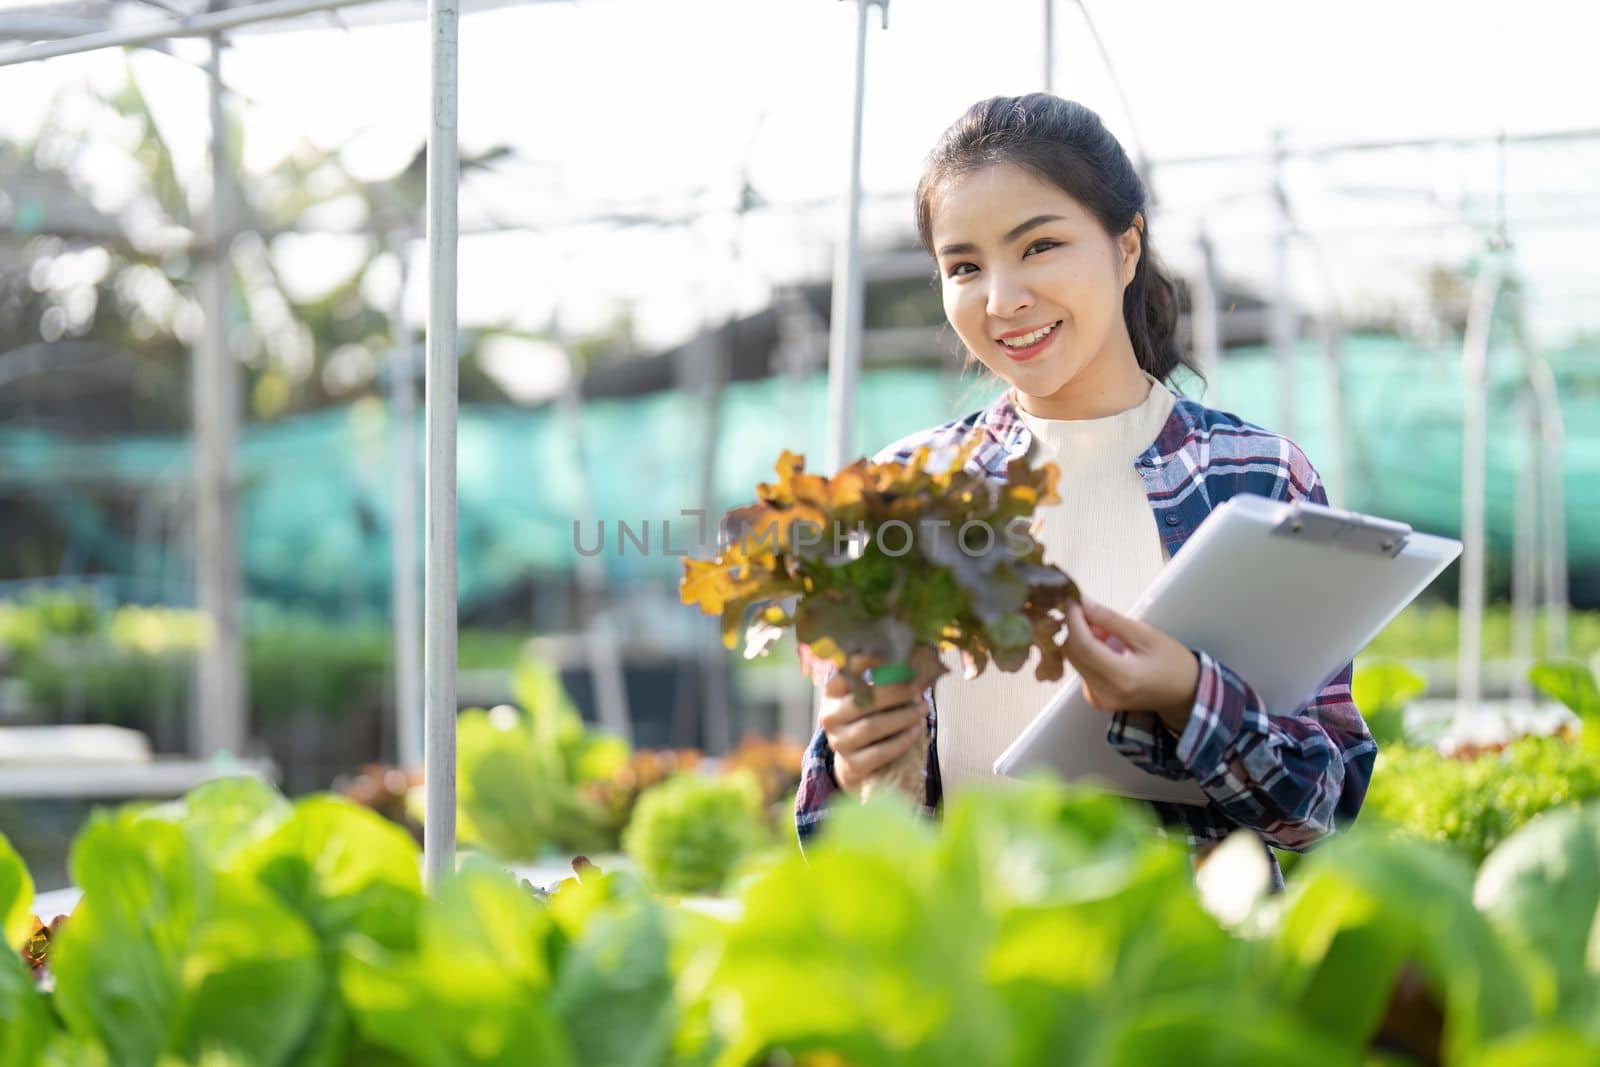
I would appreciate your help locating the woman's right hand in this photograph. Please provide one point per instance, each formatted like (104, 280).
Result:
(867, 739)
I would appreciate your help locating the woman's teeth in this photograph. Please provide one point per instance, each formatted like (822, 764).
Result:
(1029, 338)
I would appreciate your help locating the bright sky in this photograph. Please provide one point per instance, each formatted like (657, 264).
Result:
(658, 105)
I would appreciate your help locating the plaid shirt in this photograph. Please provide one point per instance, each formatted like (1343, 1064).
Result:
(1290, 778)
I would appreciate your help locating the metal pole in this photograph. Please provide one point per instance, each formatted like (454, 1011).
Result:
(801, 344)
(1335, 478)
(606, 670)
(1280, 322)
(1205, 325)
(162, 29)
(1524, 543)
(405, 590)
(1474, 414)
(1525, 514)
(844, 342)
(439, 839)
(219, 724)
(1552, 505)
(1049, 45)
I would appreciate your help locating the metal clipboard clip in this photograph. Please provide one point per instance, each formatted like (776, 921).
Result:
(1314, 522)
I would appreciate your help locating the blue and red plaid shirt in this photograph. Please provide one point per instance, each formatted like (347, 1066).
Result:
(1291, 778)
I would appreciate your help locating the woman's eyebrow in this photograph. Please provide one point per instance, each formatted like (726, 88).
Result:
(1011, 235)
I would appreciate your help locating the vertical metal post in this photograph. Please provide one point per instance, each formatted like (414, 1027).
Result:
(439, 844)
(801, 344)
(219, 723)
(1552, 505)
(606, 671)
(1474, 415)
(1049, 45)
(405, 589)
(1280, 322)
(1335, 476)
(1335, 473)
(1524, 543)
(844, 343)
(1205, 325)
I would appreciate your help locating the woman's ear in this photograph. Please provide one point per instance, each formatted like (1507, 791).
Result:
(1132, 245)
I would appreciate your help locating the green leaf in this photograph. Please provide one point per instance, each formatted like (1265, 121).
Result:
(518, 774)
(476, 991)
(165, 954)
(1383, 689)
(880, 975)
(1014, 936)
(67, 1050)
(16, 898)
(344, 869)
(1573, 684)
(482, 909)
(1217, 1027)
(502, 784)
(1542, 888)
(348, 873)
(600, 757)
(1542, 1047)
(1474, 804)
(690, 832)
(940, 561)
(1364, 904)
(614, 989)
(224, 816)
(536, 688)
(25, 1020)
(118, 963)
(251, 979)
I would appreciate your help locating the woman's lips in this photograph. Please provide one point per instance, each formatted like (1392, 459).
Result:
(1021, 355)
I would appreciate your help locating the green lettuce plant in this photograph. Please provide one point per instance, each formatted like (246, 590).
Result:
(791, 563)
(1036, 924)
(233, 927)
(690, 832)
(521, 772)
(1474, 804)
(891, 562)
(1542, 890)
(1368, 916)
(1573, 684)
(1383, 689)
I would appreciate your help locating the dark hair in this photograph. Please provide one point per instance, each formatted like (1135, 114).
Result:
(1067, 145)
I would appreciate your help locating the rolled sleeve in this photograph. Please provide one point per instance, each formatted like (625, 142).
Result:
(1292, 778)
(1144, 739)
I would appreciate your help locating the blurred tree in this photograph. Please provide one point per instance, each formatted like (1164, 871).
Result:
(97, 310)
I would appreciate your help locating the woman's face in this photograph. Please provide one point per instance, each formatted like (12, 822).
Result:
(1033, 285)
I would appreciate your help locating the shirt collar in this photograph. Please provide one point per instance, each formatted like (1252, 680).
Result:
(1008, 432)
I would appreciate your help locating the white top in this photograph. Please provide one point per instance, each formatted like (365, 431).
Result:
(1103, 534)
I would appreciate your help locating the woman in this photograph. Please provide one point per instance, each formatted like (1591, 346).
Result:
(1036, 221)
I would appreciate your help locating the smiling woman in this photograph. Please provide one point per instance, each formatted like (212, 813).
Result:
(1037, 222)
(1066, 251)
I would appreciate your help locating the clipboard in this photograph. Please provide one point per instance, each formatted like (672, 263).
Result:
(1283, 593)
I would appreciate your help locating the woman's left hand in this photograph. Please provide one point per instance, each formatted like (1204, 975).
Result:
(1128, 665)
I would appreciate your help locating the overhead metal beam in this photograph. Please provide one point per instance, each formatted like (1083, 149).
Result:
(34, 26)
(1543, 137)
(165, 29)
